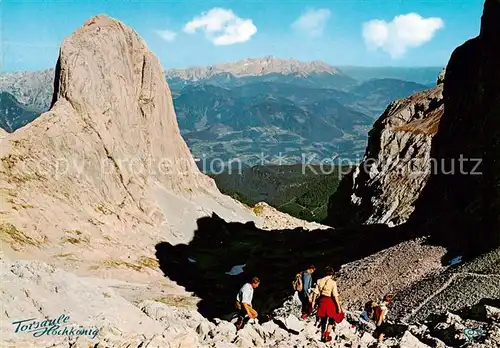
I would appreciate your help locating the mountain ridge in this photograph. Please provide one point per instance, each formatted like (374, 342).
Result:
(294, 115)
(254, 67)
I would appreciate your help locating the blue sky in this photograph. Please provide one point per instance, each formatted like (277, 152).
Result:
(191, 32)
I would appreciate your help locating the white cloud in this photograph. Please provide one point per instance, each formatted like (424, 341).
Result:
(167, 35)
(312, 22)
(402, 33)
(222, 27)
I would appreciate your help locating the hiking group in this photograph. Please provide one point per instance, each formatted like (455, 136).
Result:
(325, 295)
(322, 298)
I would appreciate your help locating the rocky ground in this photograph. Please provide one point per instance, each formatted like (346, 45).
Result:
(172, 321)
(156, 312)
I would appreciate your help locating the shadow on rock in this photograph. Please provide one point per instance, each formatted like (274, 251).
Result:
(203, 265)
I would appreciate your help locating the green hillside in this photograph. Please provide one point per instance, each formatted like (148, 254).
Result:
(301, 191)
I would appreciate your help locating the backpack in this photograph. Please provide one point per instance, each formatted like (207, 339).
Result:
(297, 282)
(373, 309)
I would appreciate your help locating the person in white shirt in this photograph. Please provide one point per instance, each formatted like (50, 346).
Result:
(244, 302)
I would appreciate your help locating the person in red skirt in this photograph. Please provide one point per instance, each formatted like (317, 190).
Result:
(329, 306)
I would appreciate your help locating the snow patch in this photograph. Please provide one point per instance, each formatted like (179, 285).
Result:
(238, 269)
(455, 261)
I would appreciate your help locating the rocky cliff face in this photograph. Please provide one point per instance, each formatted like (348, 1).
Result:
(107, 160)
(463, 194)
(396, 164)
(455, 192)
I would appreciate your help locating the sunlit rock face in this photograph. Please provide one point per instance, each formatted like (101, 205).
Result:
(396, 165)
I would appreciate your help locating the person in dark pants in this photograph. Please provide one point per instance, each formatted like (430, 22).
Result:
(305, 295)
(244, 303)
(380, 318)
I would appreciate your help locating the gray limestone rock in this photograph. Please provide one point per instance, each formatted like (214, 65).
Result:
(410, 341)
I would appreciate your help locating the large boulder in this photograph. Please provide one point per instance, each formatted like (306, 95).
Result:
(290, 323)
(410, 341)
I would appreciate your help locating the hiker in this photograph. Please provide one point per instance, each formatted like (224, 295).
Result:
(305, 290)
(329, 308)
(380, 315)
(244, 303)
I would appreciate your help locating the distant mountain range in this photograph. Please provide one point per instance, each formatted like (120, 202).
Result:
(13, 114)
(255, 67)
(373, 96)
(31, 88)
(241, 110)
(422, 75)
(269, 118)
